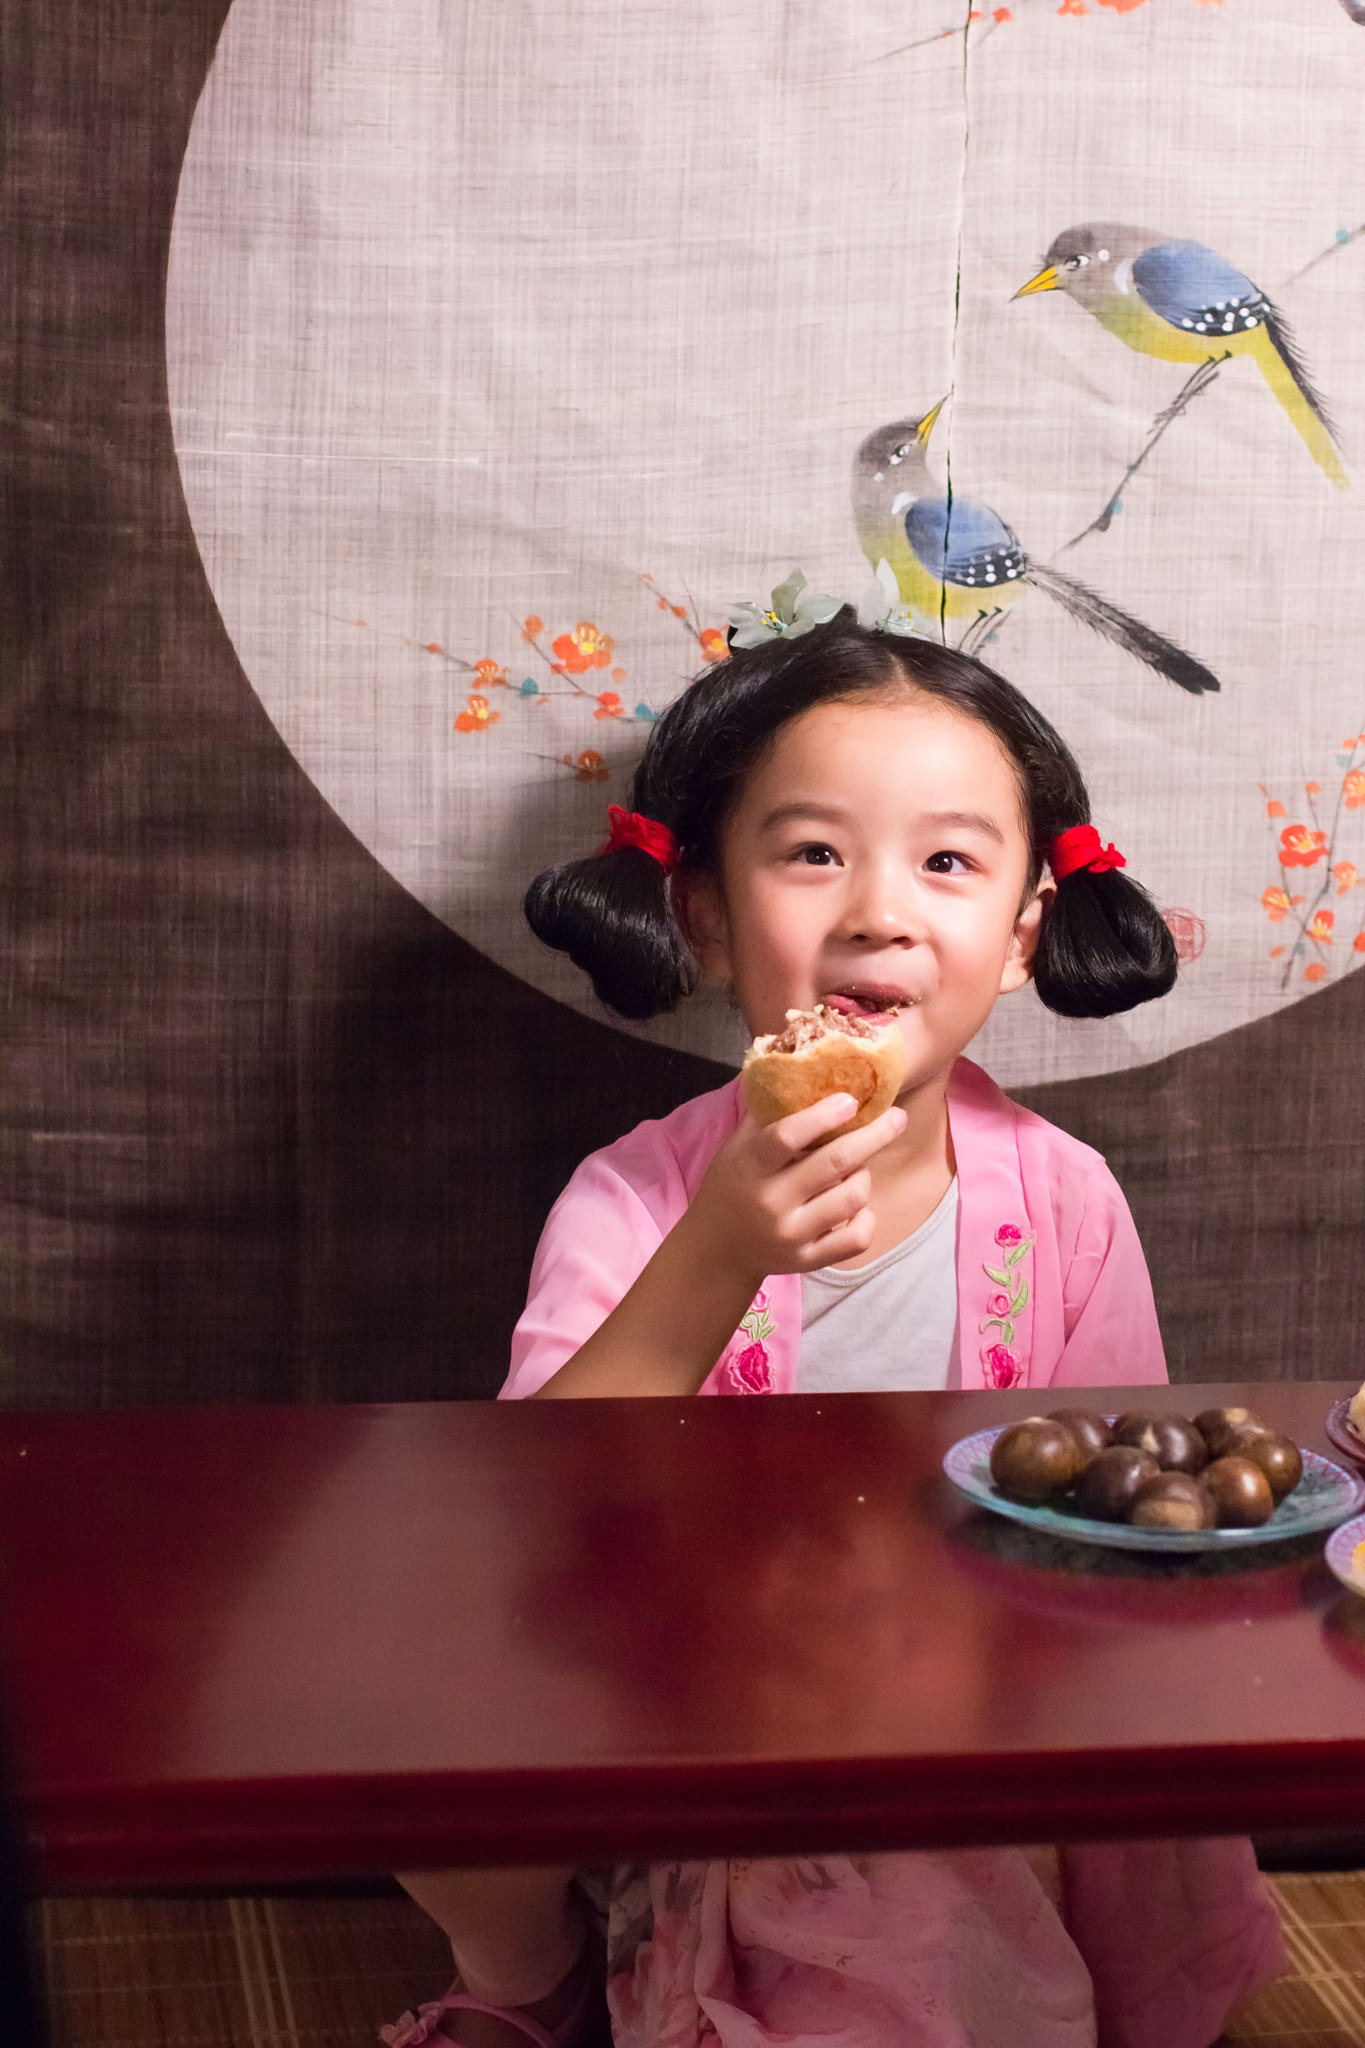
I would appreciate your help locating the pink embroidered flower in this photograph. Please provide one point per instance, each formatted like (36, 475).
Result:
(751, 1371)
(760, 1300)
(1009, 1233)
(1000, 1304)
(1002, 1367)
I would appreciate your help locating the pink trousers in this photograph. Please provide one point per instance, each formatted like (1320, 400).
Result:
(1127, 1945)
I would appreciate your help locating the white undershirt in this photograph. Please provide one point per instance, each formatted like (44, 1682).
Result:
(890, 1326)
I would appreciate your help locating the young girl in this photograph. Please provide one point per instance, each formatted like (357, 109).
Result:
(882, 824)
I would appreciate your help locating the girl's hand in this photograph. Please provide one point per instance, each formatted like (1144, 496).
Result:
(768, 1203)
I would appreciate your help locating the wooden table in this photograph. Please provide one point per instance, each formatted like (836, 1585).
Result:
(274, 1644)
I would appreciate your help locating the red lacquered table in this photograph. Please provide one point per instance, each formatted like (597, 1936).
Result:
(260, 1645)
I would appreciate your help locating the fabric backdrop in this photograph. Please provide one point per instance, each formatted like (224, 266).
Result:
(399, 399)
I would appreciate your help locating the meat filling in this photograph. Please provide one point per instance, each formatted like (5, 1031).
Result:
(807, 1027)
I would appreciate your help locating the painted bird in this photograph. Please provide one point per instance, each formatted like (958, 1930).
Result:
(1186, 304)
(955, 559)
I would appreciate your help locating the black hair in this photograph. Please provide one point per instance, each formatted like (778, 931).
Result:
(1103, 947)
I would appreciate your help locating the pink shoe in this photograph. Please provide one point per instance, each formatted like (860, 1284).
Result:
(581, 2026)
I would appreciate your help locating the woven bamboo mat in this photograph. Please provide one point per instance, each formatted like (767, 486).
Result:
(234, 1973)
(323, 1973)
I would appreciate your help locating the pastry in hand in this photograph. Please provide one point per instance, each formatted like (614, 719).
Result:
(822, 1052)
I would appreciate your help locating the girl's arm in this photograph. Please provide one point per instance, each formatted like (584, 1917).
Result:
(767, 1203)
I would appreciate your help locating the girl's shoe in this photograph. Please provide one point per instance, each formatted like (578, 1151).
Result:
(584, 2026)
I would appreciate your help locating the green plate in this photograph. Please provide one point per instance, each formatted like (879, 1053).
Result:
(1323, 1497)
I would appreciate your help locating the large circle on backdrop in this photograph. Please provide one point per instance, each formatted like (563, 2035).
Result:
(481, 316)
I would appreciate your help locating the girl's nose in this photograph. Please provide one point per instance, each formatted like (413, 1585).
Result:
(892, 932)
(881, 914)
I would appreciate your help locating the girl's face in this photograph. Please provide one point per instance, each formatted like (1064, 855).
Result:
(877, 854)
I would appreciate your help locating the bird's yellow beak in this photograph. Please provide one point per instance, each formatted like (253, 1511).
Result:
(926, 425)
(1045, 281)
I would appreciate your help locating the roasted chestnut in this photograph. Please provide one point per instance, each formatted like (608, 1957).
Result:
(1106, 1488)
(1217, 1425)
(1279, 1457)
(1172, 1440)
(1171, 1500)
(1035, 1460)
(1087, 1425)
(1240, 1493)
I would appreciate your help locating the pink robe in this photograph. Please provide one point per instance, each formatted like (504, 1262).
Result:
(1131, 1945)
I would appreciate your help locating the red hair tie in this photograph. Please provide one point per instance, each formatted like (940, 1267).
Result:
(628, 828)
(1080, 848)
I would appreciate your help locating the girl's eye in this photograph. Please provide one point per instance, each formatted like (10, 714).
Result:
(817, 856)
(948, 864)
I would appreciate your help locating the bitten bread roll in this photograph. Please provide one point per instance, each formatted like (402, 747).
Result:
(822, 1052)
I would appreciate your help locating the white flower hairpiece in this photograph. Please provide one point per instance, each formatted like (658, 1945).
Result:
(793, 609)
(880, 608)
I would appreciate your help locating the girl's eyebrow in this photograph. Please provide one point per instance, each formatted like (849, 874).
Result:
(969, 821)
(825, 814)
(834, 814)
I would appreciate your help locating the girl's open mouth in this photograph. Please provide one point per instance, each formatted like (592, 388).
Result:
(868, 999)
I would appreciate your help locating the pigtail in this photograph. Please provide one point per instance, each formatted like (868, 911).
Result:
(1104, 947)
(610, 913)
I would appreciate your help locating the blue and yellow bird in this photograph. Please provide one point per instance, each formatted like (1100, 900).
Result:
(1185, 303)
(955, 559)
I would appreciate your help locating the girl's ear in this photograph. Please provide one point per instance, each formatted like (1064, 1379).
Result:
(699, 909)
(1018, 967)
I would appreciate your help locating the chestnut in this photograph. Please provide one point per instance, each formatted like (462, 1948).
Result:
(1240, 1493)
(1171, 1500)
(1087, 1425)
(1279, 1457)
(1035, 1460)
(1217, 1425)
(1106, 1488)
(1172, 1440)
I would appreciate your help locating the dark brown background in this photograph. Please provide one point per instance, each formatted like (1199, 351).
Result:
(270, 1131)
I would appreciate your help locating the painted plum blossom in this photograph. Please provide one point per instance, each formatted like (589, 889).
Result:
(1314, 865)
